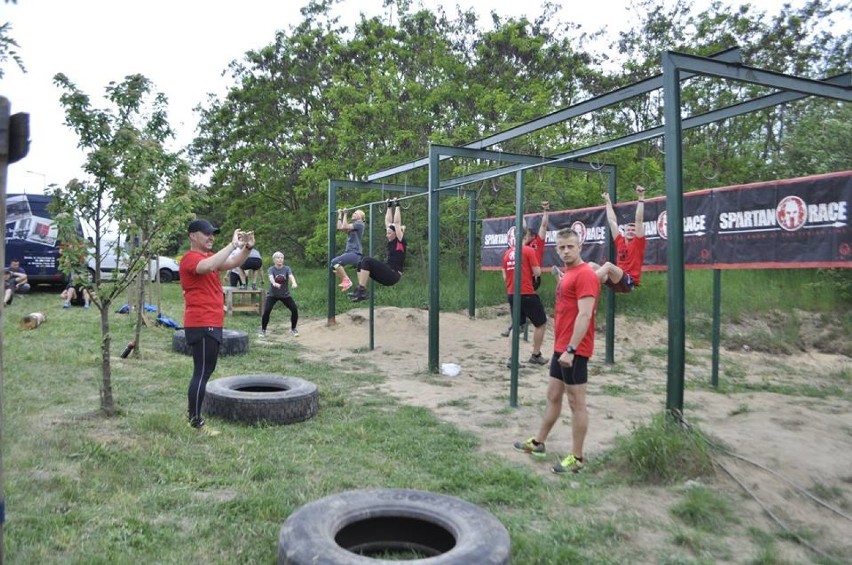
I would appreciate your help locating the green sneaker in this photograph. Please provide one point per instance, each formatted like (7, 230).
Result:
(568, 465)
(536, 450)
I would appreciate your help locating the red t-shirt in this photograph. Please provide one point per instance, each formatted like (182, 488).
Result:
(528, 261)
(630, 255)
(538, 246)
(202, 294)
(577, 282)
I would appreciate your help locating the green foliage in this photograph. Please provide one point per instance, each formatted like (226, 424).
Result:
(663, 452)
(8, 49)
(138, 192)
(324, 101)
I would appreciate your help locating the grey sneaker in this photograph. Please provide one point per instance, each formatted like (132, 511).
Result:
(261, 333)
(529, 446)
(537, 359)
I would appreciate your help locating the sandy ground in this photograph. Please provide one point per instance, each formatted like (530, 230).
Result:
(806, 440)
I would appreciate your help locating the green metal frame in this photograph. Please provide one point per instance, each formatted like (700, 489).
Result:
(676, 68)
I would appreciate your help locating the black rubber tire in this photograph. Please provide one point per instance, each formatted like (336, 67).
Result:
(166, 276)
(252, 399)
(234, 342)
(347, 528)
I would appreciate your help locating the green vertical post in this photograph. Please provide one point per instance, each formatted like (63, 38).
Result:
(471, 255)
(516, 300)
(674, 217)
(610, 295)
(332, 246)
(717, 324)
(434, 258)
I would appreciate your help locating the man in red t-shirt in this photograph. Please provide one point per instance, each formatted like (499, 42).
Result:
(204, 316)
(573, 344)
(535, 239)
(531, 307)
(629, 248)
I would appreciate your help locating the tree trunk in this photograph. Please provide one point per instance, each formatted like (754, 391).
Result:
(107, 402)
(140, 310)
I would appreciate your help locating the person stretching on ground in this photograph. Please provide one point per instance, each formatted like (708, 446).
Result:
(75, 295)
(624, 275)
(19, 275)
(390, 272)
(279, 277)
(353, 252)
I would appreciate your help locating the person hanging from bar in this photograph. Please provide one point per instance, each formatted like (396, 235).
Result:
(624, 275)
(386, 273)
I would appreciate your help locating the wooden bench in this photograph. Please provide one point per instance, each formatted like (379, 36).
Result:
(243, 300)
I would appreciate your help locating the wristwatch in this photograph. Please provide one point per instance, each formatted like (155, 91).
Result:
(571, 349)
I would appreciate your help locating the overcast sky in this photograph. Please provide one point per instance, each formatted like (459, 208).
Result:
(183, 46)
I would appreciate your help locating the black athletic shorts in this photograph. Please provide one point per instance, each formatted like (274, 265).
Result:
(194, 335)
(252, 264)
(531, 309)
(576, 374)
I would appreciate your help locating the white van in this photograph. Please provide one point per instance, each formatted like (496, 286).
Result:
(168, 268)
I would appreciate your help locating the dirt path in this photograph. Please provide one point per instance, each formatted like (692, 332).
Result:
(806, 439)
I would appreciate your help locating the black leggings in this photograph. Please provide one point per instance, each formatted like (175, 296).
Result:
(380, 272)
(270, 304)
(205, 353)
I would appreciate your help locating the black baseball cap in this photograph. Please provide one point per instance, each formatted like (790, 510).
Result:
(203, 226)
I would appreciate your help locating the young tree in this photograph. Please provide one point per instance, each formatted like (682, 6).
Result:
(136, 189)
(8, 48)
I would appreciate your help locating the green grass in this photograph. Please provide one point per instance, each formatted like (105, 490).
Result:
(705, 510)
(142, 487)
(661, 452)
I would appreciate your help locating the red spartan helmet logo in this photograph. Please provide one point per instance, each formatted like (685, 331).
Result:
(580, 229)
(511, 234)
(791, 213)
(662, 226)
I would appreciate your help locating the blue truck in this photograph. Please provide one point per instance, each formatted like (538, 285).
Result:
(32, 239)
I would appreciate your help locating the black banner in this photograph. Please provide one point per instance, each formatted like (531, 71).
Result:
(794, 223)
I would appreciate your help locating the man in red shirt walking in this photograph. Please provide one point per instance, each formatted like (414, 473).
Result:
(574, 340)
(204, 315)
(629, 248)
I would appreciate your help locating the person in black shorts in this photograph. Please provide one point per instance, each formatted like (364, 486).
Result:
(573, 344)
(390, 272)
(75, 295)
(251, 266)
(531, 307)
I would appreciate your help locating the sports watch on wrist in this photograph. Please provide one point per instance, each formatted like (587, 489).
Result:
(570, 349)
